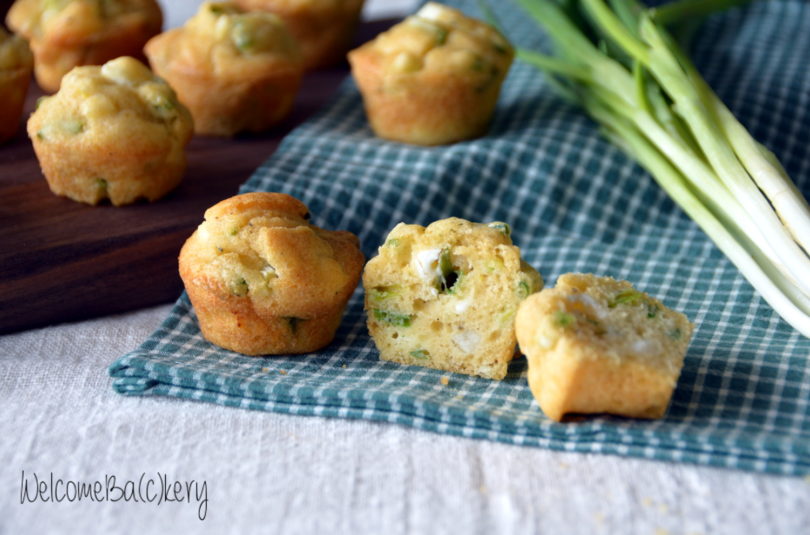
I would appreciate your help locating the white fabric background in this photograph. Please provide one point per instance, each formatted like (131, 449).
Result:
(282, 474)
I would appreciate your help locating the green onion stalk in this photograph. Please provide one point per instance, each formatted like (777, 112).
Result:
(617, 60)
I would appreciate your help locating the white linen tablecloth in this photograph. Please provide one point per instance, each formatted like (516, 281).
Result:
(275, 473)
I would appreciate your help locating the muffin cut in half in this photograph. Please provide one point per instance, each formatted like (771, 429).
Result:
(432, 79)
(236, 71)
(323, 28)
(445, 296)
(597, 345)
(67, 33)
(263, 280)
(16, 62)
(113, 132)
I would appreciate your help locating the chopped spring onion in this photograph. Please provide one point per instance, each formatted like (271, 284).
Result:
(650, 100)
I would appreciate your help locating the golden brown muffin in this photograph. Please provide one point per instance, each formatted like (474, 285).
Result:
(445, 296)
(597, 345)
(66, 33)
(235, 71)
(112, 132)
(263, 280)
(323, 28)
(432, 79)
(15, 74)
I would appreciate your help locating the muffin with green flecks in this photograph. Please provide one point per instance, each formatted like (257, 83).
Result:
(15, 73)
(263, 280)
(433, 78)
(598, 345)
(236, 71)
(112, 132)
(445, 296)
(323, 28)
(68, 33)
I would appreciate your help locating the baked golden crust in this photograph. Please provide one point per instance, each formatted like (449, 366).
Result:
(323, 28)
(432, 79)
(597, 345)
(16, 62)
(263, 280)
(67, 33)
(235, 71)
(114, 131)
(445, 296)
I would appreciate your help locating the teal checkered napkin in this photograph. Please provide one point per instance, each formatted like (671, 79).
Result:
(575, 203)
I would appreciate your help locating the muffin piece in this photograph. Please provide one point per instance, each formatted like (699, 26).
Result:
(323, 28)
(112, 132)
(263, 280)
(235, 71)
(66, 33)
(432, 79)
(445, 296)
(15, 73)
(597, 345)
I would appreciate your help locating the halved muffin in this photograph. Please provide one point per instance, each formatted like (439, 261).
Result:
(598, 345)
(445, 296)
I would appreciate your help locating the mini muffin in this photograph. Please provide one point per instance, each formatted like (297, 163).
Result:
(235, 71)
(263, 280)
(323, 28)
(15, 73)
(597, 345)
(113, 132)
(445, 296)
(432, 79)
(66, 33)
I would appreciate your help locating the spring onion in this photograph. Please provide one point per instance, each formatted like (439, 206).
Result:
(616, 59)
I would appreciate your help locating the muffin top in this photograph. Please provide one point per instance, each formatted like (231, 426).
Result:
(608, 315)
(445, 256)
(225, 39)
(262, 246)
(441, 39)
(14, 52)
(103, 103)
(74, 22)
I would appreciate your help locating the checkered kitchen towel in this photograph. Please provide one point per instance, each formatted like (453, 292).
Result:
(575, 203)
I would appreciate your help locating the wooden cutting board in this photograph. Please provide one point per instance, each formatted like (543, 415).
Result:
(64, 261)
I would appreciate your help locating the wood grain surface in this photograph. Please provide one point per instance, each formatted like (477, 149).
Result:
(63, 261)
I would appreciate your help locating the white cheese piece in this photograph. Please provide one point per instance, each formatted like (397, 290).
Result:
(643, 346)
(426, 264)
(462, 305)
(432, 11)
(597, 309)
(467, 341)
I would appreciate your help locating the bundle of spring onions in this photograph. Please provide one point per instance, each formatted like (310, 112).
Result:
(618, 61)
